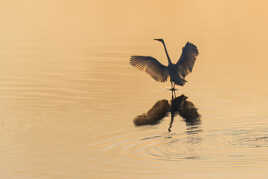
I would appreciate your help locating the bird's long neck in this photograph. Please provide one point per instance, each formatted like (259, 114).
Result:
(169, 61)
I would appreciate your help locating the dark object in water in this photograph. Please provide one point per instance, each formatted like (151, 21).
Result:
(154, 115)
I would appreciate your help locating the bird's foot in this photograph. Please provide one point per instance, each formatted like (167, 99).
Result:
(173, 89)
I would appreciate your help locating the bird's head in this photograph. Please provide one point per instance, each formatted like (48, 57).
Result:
(160, 40)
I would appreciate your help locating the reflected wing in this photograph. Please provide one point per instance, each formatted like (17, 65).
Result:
(150, 65)
(154, 115)
(186, 110)
(186, 62)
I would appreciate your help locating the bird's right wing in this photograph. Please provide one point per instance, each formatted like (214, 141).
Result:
(187, 60)
(150, 65)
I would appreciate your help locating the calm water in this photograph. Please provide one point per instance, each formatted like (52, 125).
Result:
(68, 95)
(71, 116)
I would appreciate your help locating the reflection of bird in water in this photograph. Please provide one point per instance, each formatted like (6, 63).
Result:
(186, 110)
(176, 72)
(179, 105)
(154, 115)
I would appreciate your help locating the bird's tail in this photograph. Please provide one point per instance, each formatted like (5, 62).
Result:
(179, 81)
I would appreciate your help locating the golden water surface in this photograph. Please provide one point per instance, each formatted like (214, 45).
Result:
(68, 95)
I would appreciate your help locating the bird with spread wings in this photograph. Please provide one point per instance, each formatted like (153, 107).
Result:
(175, 72)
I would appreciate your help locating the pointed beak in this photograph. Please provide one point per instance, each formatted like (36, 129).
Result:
(158, 40)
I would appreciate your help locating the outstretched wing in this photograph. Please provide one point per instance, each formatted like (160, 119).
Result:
(187, 59)
(150, 65)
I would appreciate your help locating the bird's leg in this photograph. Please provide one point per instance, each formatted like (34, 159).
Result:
(172, 86)
(172, 95)
(171, 109)
(172, 116)
(174, 89)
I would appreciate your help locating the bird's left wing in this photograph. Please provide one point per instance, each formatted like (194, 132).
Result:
(187, 59)
(150, 65)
